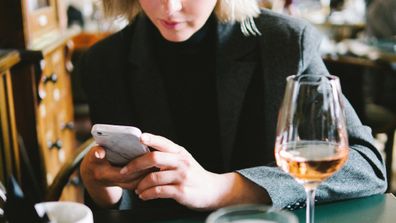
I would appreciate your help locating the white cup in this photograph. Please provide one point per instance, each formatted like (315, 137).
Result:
(65, 212)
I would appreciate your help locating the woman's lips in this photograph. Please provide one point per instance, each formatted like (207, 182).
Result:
(170, 24)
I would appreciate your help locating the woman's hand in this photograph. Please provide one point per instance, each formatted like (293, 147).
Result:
(183, 179)
(104, 181)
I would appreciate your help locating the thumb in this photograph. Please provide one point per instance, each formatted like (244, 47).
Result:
(97, 154)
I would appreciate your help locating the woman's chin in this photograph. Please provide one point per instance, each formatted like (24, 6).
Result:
(177, 36)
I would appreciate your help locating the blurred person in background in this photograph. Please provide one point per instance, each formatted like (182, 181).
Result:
(381, 85)
(381, 19)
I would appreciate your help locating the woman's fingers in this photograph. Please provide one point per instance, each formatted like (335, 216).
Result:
(167, 156)
(101, 170)
(159, 178)
(161, 160)
(103, 173)
(164, 191)
(137, 175)
(130, 185)
(160, 143)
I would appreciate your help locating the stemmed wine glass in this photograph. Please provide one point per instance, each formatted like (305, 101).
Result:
(311, 138)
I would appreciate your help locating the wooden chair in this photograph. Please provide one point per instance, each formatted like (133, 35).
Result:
(68, 168)
(9, 148)
(2, 201)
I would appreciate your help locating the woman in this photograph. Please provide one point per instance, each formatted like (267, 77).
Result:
(205, 80)
(381, 19)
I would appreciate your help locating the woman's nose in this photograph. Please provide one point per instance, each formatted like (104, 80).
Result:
(171, 6)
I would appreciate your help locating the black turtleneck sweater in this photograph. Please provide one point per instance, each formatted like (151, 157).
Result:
(188, 71)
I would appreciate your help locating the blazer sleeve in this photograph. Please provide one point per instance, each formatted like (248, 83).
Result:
(362, 175)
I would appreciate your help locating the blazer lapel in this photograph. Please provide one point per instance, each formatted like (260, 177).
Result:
(235, 66)
(147, 89)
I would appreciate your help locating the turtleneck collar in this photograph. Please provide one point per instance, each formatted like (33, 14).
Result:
(202, 36)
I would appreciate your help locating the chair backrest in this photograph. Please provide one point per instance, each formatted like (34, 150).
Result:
(2, 201)
(72, 164)
(9, 150)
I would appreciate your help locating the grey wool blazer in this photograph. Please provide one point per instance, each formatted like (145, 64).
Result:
(123, 86)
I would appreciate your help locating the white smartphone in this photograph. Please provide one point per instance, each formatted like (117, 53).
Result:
(122, 143)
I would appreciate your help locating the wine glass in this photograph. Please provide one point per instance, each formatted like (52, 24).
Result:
(311, 138)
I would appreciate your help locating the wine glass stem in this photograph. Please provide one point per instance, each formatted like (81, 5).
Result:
(310, 204)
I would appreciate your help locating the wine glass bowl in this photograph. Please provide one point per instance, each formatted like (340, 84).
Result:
(311, 162)
(311, 139)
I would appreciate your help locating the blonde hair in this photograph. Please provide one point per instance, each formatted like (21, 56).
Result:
(242, 11)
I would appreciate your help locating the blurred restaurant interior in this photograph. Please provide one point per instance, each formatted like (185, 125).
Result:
(44, 116)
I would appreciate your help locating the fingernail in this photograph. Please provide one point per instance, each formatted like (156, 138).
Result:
(124, 170)
(99, 154)
(145, 138)
(137, 192)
